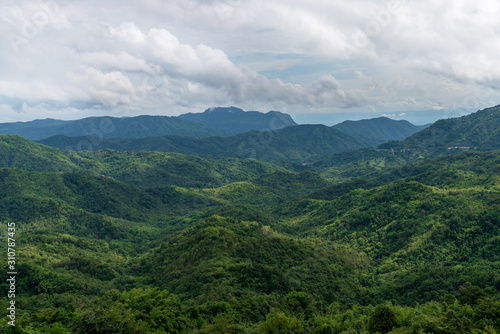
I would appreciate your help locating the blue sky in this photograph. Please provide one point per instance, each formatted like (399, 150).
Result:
(321, 61)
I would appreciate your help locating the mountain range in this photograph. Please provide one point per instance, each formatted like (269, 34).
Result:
(364, 240)
(299, 143)
(221, 122)
(111, 127)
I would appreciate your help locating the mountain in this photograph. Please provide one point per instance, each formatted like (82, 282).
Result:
(379, 130)
(480, 130)
(299, 143)
(111, 127)
(105, 245)
(239, 121)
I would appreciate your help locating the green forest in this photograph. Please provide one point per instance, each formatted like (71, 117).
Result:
(400, 239)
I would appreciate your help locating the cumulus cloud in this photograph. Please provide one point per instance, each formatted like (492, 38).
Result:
(126, 67)
(165, 57)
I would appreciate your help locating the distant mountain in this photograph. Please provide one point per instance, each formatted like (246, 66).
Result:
(111, 127)
(379, 130)
(299, 143)
(480, 129)
(239, 121)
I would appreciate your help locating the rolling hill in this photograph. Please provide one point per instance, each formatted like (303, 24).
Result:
(152, 242)
(239, 121)
(142, 169)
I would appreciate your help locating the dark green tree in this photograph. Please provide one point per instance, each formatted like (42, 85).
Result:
(382, 320)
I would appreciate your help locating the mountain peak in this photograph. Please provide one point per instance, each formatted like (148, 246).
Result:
(232, 110)
(240, 121)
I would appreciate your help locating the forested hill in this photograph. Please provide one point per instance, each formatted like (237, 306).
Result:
(239, 121)
(480, 130)
(296, 143)
(262, 255)
(365, 241)
(379, 130)
(112, 127)
(145, 169)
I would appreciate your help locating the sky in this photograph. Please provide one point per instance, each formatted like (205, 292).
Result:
(322, 61)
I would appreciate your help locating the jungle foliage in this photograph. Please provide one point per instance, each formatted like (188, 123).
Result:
(364, 241)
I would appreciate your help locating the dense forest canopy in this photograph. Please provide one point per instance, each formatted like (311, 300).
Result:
(300, 238)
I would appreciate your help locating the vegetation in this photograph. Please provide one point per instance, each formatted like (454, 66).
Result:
(364, 241)
(478, 130)
(301, 143)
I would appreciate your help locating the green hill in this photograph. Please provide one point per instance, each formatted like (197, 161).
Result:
(151, 242)
(411, 229)
(478, 130)
(297, 143)
(144, 169)
(379, 130)
(220, 255)
(239, 121)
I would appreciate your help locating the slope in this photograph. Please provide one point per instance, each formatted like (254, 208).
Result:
(145, 169)
(425, 236)
(223, 255)
(480, 130)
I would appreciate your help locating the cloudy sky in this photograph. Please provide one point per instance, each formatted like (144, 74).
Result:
(319, 60)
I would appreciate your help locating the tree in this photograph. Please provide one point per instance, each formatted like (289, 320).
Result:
(382, 320)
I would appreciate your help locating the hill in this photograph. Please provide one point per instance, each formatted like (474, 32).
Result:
(478, 130)
(143, 169)
(299, 143)
(111, 127)
(439, 214)
(379, 130)
(273, 251)
(239, 121)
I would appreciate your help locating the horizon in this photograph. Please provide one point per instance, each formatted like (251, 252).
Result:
(416, 117)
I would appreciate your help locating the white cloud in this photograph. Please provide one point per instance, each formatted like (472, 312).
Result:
(189, 54)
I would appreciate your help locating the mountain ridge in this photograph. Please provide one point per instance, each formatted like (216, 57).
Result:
(299, 143)
(111, 127)
(240, 121)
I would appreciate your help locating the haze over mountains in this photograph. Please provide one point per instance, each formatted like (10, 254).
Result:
(296, 143)
(111, 127)
(221, 122)
(217, 132)
(213, 122)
